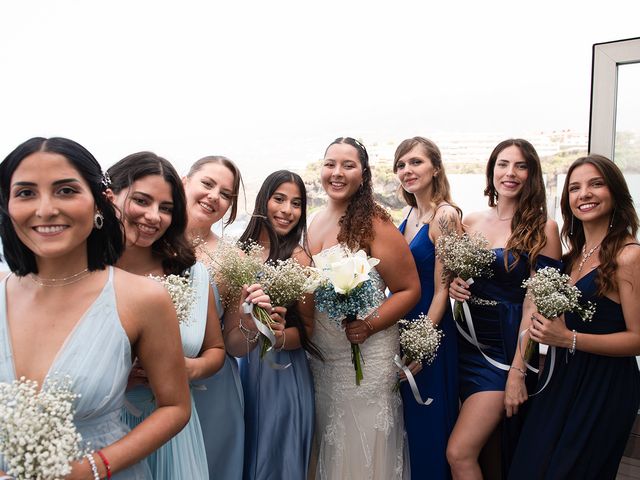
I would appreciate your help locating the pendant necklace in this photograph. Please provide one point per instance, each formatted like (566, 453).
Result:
(586, 256)
(59, 282)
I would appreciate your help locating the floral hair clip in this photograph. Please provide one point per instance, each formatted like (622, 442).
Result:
(106, 179)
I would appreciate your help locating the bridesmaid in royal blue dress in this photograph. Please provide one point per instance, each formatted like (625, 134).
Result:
(578, 426)
(150, 197)
(212, 187)
(65, 311)
(279, 404)
(492, 371)
(418, 166)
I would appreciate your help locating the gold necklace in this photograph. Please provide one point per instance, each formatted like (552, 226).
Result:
(586, 256)
(59, 282)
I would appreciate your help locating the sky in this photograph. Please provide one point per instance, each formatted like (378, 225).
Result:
(270, 84)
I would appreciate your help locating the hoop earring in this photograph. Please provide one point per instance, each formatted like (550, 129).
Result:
(571, 229)
(98, 220)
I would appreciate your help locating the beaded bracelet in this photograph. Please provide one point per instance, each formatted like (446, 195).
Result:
(368, 322)
(523, 372)
(94, 467)
(246, 332)
(284, 339)
(107, 466)
(572, 350)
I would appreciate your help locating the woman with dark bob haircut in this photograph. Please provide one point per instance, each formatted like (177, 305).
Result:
(278, 224)
(66, 312)
(579, 424)
(149, 194)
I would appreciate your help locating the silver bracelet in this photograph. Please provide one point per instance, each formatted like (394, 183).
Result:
(284, 339)
(523, 372)
(246, 332)
(94, 467)
(572, 350)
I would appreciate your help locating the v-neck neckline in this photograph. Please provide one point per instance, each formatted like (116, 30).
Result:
(68, 338)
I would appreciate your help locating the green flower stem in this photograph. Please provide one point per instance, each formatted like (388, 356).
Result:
(356, 354)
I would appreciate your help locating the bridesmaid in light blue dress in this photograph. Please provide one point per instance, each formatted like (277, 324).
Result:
(279, 411)
(59, 230)
(418, 166)
(212, 187)
(149, 194)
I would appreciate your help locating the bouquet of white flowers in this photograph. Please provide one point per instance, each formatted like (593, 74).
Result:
(552, 294)
(465, 256)
(235, 264)
(38, 438)
(419, 340)
(347, 291)
(182, 294)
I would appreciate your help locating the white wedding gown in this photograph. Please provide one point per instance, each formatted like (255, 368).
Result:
(359, 429)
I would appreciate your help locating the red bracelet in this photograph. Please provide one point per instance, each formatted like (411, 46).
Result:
(106, 463)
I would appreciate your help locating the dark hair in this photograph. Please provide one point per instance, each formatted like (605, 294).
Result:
(172, 248)
(356, 225)
(282, 248)
(623, 222)
(440, 189)
(237, 180)
(104, 246)
(530, 217)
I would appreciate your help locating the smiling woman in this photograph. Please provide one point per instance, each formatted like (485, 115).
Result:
(59, 230)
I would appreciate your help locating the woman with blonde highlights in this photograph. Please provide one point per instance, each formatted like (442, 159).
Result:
(578, 426)
(492, 370)
(425, 188)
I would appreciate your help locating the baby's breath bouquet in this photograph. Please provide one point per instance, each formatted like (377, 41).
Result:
(419, 340)
(38, 438)
(347, 291)
(287, 282)
(182, 294)
(552, 294)
(465, 256)
(235, 264)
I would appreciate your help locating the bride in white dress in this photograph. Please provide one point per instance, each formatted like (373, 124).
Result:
(359, 429)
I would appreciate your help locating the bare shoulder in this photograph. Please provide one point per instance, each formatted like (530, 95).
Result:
(551, 227)
(138, 296)
(471, 220)
(629, 258)
(301, 256)
(3, 275)
(382, 226)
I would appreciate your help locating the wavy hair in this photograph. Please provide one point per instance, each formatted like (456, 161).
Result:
(356, 225)
(623, 222)
(440, 189)
(172, 248)
(104, 246)
(530, 217)
(237, 180)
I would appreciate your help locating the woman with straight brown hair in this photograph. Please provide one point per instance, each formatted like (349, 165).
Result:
(425, 188)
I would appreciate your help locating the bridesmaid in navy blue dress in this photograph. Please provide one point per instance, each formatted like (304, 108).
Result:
(418, 166)
(492, 371)
(579, 424)
(279, 404)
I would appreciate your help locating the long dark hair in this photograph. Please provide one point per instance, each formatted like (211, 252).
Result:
(356, 225)
(530, 218)
(623, 222)
(104, 246)
(172, 248)
(281, 248)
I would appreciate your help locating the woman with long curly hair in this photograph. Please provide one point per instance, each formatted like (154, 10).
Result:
(359, 430)
(578, 426)
(430, 214)
(492, 371)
